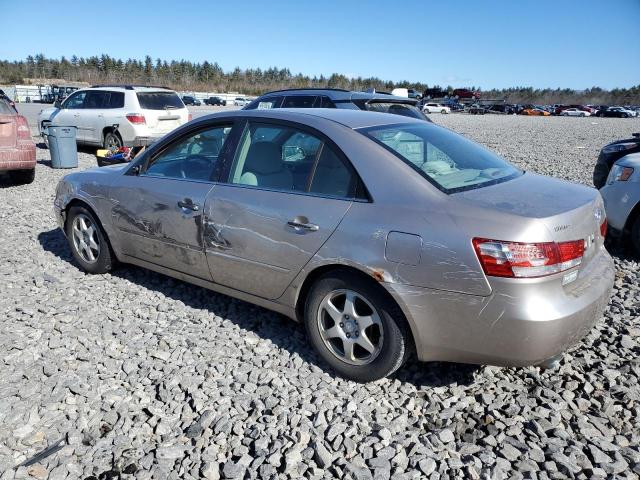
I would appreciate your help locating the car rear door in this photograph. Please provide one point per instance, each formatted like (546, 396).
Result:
(266, 222)
(159, 212)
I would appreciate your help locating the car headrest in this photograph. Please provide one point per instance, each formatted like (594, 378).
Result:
(263, 158)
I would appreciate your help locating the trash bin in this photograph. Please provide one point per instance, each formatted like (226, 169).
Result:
(62, 145)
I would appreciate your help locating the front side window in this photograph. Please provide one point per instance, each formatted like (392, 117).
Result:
(290, 159)
(194, 157)
(75, 101)
(446, 159)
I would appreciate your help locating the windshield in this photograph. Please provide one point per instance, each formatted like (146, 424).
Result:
(159, 100)
(448, 160)
(397, 108)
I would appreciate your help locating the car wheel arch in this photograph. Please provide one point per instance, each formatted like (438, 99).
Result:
(372, 277)
(77, 202)
(631, 218)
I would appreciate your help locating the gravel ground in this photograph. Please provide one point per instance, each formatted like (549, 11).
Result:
(141, 376)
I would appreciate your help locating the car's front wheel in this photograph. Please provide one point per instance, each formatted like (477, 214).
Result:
(355, 327)
(88, 241)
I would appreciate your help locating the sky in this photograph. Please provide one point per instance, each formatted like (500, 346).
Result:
(488, 44)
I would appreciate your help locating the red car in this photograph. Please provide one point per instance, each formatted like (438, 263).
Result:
(465, 93)
(17, 149)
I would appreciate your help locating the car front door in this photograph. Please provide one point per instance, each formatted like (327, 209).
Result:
(269, 218)
(91, 120)
(159, 212)
(69, 114)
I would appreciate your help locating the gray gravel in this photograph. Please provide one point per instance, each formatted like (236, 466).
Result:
(147, 377)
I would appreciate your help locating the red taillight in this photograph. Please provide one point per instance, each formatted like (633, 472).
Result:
(525, 260)
(603, 227)
(24, 132)
(189, 118)
(136, 118)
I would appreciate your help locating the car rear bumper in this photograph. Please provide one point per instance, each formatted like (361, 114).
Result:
(21, 158)
(523, 322)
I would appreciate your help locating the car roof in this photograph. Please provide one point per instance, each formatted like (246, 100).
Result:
(339, 94)
(353, 119)
(143, 88)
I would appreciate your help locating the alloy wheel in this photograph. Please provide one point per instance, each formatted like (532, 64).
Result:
(85, 238)
(350, 327)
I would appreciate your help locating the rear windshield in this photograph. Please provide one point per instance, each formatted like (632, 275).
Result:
(448, 160)
(6, 108)
(397, 108)
(159, 100)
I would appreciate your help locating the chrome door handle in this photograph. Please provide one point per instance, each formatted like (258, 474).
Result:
(302, 223)
(188, 204)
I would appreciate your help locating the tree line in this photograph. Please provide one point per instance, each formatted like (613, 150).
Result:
(206, 76)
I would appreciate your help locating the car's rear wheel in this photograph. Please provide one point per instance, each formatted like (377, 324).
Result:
(582, 114)
(355, 327)
(23, 176)
(443, 111)
(112, 140)
(88, 241)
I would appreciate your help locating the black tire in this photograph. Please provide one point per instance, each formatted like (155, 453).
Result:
(111, 139)
(635, 235)
(394, 343)
(23, 177)
(105, 259)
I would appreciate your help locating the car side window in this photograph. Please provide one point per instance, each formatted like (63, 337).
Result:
(194, 157)
(291, 160)
(116, 100)
(75, 101)
(299, 101)
(267, 103)
(332, 177)
(96, 99)
(326, 102)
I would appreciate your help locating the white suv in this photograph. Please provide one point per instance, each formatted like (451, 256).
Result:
(435, 107)
(116, 115)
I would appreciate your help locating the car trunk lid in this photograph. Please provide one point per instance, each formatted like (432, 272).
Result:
(569, 211)
(163, 110)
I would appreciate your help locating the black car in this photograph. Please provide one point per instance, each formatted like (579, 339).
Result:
(191, 100)
(501, 108)
(338, 98)
(435, 93)
(617, 112)
(609, 154)
(215, 101)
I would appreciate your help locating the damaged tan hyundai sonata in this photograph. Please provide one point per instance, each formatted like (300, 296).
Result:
(383, 234)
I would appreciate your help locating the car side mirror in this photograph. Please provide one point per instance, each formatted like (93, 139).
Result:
(57, 104)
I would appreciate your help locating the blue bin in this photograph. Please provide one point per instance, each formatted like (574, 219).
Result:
(62, 145)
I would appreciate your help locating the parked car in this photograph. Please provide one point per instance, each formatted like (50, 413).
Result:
(241, 102)
(618, 112)
(574, 112)
(465, 93)
(610, 154)
(191, 100)
(435, 108)
(215, 101)
(476, 109)
(338, 98)
(501, 108)
(383, 234)
(17, 149)
(411, 93)
(435, 93)
(117, 115)
(535, 112)
(621, 195)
